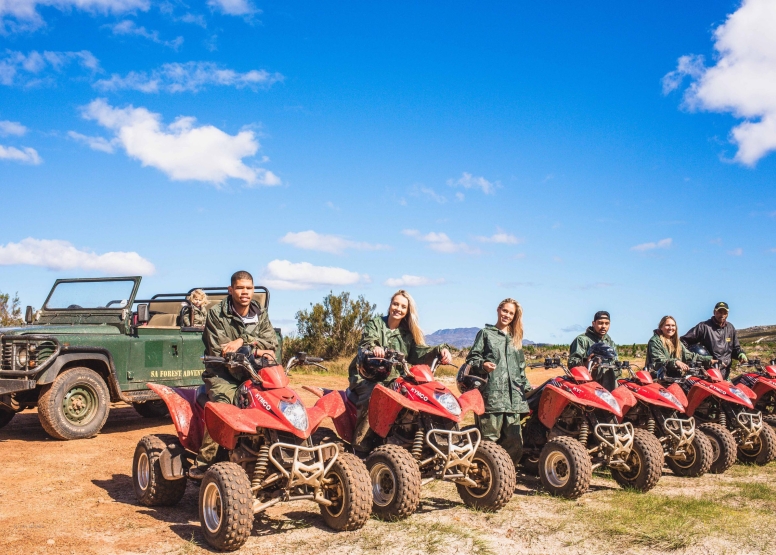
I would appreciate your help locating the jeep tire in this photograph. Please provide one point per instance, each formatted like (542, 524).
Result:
(395, 482)
(151, 487)
(6, 416)
(155, 408)
(494, 471)
(75, 405)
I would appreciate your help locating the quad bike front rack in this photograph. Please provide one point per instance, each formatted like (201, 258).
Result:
(457, 459)
(301, 473)
(681, 431)
(617, 442)
(750, 424)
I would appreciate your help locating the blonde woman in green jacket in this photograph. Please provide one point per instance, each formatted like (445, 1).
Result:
(498, 354)
(665, 350)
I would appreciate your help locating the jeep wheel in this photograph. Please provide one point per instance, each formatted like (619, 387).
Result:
(151, 487)
(152, 409)
(75, 405)
(6, 416)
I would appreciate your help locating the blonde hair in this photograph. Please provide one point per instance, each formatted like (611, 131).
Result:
(198, 298)
(515, 327)
(411, 319)
(673, 344)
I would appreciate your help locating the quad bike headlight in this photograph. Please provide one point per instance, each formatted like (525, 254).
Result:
(668, 395)
(740, 394)
(295, 413)
(608, 398)
(448, 401)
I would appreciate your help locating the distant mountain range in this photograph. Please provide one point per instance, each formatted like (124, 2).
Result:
(458, 337)
(757, 334)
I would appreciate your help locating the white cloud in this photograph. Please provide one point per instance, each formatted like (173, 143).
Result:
(181, 150)
(310, 240)
(95, 143)
(26, 17)
(662, 244)
(17, 68)
(282, 274)
(742, 81)
(189, 77)
(129, 27)
(468, 181)
(736, 252)
(11, 128)
(412, 281)
(62, 255)
(440, 242)
(433, 195)
(26, 155)
(234, 7)
(502, 238)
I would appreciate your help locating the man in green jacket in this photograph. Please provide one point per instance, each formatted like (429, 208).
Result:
(598, 332)
(236, 322)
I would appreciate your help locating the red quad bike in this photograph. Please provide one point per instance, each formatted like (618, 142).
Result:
(574, 427)
(267, 456)
(417, 423)
(762, 381)
(728, 418)
(660, 411)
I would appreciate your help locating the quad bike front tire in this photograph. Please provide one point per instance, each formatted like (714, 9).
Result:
(645, 460)
(763, 451)
(226, 506)
(151, 487)
(494, 470)
(698, 458)
(5, 417)
(75, 405)
(349, 489)
(395, 479)
(770, 419)
(155, 408)
(723, 446)
(565, 469)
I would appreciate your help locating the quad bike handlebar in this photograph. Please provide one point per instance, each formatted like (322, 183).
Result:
(302, 359)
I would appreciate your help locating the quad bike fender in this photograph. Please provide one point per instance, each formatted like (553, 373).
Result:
(330, 405)
(186, 414)
(625, 398)
(225, 422)
(173, 462)
(345, 423)
(678, 392)
(471, 401)
(551, 405)
(701, 390)
(385, 405)
(762, 386)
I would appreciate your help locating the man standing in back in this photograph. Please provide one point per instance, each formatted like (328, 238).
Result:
(719, 338)
(597, 334)
(236, 322)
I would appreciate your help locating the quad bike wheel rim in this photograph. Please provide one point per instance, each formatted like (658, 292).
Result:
(143, 471)
(757, 447)
(557, 469)
(689, 457)
(79, 405)
(715, 449)
(335, 492)
(483, 475)
(635, 463)
(383, 484)
(212, 508)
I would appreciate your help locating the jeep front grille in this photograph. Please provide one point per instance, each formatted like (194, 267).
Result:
(38, 351)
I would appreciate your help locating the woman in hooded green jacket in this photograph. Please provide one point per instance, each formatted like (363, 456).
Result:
(498, 354)
(398, 331)
(665, 350)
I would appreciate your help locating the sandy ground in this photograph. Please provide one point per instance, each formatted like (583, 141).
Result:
(76, 497)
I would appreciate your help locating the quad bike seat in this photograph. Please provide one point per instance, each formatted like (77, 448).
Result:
(352, 397)
(533, 396)
(202, 397)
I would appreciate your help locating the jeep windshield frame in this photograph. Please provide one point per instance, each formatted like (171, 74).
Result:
(112, 305)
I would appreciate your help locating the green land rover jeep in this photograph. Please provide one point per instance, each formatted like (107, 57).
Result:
(94, 343)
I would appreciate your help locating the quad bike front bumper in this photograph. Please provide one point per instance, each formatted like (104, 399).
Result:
(680, 433)
(455, 451)
(748, 427)
(616, 442)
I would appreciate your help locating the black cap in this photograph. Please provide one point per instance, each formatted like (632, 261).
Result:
(721, 305)
(603, 315)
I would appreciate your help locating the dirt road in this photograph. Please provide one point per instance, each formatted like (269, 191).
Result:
(76, 498)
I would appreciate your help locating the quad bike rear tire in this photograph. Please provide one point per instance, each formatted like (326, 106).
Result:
(395, 479)
(5, 417)
(155, 408)
(645, 460)
(763, 451)
(226, 506)
(493, 465)
(723, 446)
(151, 487)
(350, 491)
(75, 405)
(698, 460)
(565, 469)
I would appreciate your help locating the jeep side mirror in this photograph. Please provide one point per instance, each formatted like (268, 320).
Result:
(29, 315)
(142, 314)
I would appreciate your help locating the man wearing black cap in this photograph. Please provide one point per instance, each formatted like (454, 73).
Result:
(719, 338)
(596, 333)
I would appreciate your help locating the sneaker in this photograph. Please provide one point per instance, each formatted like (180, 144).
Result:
(197, 472)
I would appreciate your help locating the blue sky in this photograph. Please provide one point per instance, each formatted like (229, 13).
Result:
(574, 157)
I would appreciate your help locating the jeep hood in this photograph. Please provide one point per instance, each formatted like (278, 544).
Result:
(62, 329)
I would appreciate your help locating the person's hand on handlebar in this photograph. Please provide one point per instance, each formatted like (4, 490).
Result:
(232, 346)
(378, 352)
(682, 366)
(447, 358)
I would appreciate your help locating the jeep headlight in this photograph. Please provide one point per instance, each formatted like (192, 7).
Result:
(608, 398)
(295, 413)
(740, 394)
(21, 357)
(448, 401)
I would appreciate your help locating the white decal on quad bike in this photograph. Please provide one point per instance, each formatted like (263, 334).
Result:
(419, 394)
